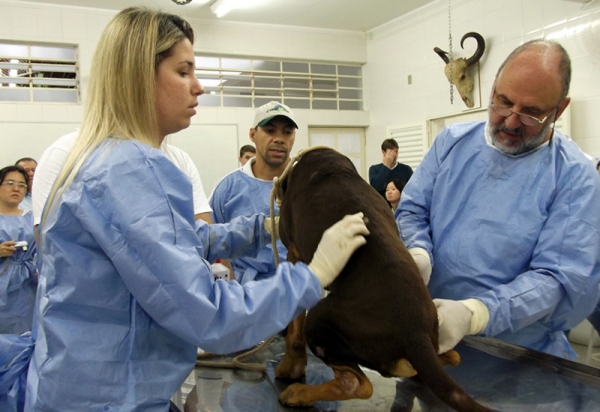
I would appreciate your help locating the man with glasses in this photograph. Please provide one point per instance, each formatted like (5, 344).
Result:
(506, 211)
(29, 165)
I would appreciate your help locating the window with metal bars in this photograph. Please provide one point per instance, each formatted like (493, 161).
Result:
(248, 82)
(38, 73)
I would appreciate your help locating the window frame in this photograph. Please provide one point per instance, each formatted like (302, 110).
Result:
(299, 84)
(37, 72)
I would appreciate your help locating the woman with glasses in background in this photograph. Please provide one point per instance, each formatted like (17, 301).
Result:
(18, 280)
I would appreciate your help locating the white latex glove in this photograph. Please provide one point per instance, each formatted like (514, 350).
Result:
(421, 258)
(336, 246)
(273, 230)
(458, 318)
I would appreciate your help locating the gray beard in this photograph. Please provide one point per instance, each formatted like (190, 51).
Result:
(527, 145)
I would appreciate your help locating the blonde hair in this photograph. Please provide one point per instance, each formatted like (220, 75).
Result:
(121, 98)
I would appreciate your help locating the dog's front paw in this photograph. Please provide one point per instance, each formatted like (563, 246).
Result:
(295, 395)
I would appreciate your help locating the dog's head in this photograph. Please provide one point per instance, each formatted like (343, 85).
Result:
(315, 165)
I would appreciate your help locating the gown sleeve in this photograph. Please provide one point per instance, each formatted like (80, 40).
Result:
(413, 212)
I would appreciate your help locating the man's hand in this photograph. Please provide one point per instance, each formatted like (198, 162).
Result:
(390, 158)
(7, 248)
(458, 318)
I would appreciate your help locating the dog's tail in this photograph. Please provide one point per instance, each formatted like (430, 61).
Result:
(425, 361)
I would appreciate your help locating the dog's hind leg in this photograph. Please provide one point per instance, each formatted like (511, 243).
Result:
(293, 364)
(349, 382)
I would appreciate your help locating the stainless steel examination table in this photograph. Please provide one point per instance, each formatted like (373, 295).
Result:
(501, 376)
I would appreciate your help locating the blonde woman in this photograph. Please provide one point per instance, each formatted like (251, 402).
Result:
(126, 293)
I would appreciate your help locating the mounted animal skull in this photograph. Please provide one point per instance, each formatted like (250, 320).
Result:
(460, 76)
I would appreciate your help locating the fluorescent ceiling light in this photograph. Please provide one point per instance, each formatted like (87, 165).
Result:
(222, 7)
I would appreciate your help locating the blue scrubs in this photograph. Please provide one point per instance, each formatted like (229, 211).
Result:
(521, 234)
(18, 282)
(241, 194)
(126, 292)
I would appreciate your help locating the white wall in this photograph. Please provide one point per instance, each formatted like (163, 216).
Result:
(405, 47)
(392, 52)
(27, 128)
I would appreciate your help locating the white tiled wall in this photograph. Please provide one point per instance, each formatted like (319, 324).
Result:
(405, 47)
(392, 52)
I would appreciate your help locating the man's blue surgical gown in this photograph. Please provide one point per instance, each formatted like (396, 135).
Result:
(240, 193)
(126, 296)
(521, 234)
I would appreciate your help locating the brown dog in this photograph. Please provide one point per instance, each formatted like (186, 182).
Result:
(379, 313)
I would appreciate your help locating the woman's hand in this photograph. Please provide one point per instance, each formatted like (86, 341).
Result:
(7, 248)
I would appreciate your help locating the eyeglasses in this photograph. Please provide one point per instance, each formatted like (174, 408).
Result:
(523, 118)
(12, 183)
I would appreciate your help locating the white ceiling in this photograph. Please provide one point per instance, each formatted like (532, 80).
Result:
(331, 14)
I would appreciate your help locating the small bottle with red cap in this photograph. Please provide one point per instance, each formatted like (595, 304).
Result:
(220, 271)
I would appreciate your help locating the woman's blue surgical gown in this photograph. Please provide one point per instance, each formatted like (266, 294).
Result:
(126, 291)
(18, 282)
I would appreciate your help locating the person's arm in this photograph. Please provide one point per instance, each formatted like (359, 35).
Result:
(46, 172)
(242, 236)
(206, 216)
(158, 256)
(157, 252)
(214, 202)
(413, 212)
(7, 248)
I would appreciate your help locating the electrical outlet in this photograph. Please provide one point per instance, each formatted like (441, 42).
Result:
(410, 79)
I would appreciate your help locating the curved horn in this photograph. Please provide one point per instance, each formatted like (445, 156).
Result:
(480, 47)
(442, 54)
